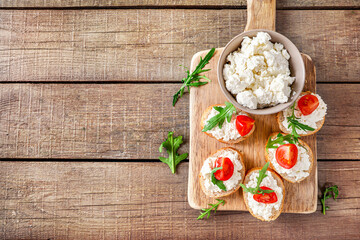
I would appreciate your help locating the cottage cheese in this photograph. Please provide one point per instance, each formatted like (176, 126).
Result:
(299, 170)
(310, 119)
(258, 73)
(228, 130)
(232, 182)
(262, 209)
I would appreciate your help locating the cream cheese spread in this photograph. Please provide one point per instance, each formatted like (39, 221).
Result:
(299, 170)
(209, 165)
(265, 210)
(258, 73)
(228, 130)
(310, 119)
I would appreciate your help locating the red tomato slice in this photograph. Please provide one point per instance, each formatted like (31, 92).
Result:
(267, 197)
(227, 169)
(308, 103)
(244, 124)
(286, 155)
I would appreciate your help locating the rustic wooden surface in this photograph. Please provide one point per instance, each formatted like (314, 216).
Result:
(90, 45)
(299, 198)
(94, 80)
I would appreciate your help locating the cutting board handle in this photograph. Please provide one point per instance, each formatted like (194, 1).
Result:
(261, 14)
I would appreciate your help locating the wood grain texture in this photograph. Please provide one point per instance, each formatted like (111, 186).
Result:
(149, 45)
(92, 200)
(299, 198)
(261, 15)
(171, 3)
(125, 121)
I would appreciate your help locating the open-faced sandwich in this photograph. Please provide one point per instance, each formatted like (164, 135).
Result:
(306, 116)
(291, 158)
(264, 193)
(222, 173)
(227, 124)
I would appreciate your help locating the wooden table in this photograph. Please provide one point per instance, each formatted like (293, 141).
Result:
(85, 101)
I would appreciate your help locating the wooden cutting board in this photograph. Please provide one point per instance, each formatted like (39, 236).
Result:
(299, 197)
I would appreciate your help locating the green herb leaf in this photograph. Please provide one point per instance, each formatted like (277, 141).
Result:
(215, 181)
(280, 139)
(171, 145)
(294, 124)
(224, 113)
(257, 189)
(330, 191)
(193, 79)
(207, 211)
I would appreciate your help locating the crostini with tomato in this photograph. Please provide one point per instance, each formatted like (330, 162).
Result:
(305, 117)
(290, 157)
(226, 123)
(264, 193)
(222, 173)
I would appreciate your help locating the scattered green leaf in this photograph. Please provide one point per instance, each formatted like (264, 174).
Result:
(207, 211)
(330, 191)
(193, 79)
(171, 145)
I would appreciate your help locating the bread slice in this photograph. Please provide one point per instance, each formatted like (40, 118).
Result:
(279, 182)
(205, 116)
(217, 154)
(284, 175)
(280, 118)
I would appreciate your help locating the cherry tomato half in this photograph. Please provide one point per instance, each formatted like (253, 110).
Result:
(227, 168)
(286, 155)
(267, 197)
(244, 124)
(308, 103)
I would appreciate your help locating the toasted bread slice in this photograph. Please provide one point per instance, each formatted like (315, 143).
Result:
(280, 118)
(217, 154)
(284, 175)
(205, 116)
(279, 182)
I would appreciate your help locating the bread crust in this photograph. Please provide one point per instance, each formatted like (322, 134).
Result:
(280, 118)
(224, 193)
(206, 114)
(279, 182)
(284, 176)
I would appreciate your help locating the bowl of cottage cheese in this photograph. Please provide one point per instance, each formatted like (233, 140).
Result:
(261, 72)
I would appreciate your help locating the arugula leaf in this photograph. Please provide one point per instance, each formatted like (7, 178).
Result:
(207, 211)
(218, 119)
(193, 79)
(257, 189)
(294, 124)
(171, 145)
(330, 191)
(280, 139)
(215, 181)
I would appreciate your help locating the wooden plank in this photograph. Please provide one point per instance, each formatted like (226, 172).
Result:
(125, 121)
(149, 45)
(94, 200)
(172, 3)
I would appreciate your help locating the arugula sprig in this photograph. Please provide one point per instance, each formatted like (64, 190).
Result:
(257, 189)
(280, 139)
(171, 145)
(215, 181)
(330, 191)
(224, 113)
(294, 124)
(193, 79)
(207, 211)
